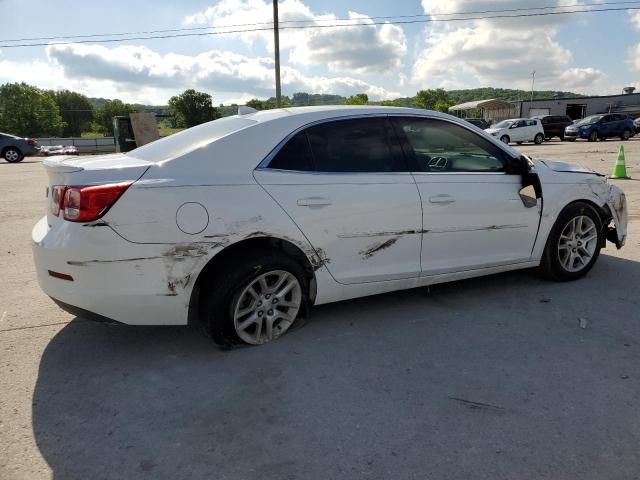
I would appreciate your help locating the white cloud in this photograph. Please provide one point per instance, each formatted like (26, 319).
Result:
(139, 72)
(377, 49)
(499, 52)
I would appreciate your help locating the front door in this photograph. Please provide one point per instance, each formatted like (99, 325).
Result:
(473, 216)
(346, 185)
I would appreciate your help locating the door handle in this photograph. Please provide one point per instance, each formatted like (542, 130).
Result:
(313, 202)
(443, 199)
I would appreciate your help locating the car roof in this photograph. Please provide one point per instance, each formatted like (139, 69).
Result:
(335, 111)
(8, 135)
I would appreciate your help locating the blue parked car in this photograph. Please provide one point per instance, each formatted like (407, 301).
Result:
(13, 149)
(600, 127)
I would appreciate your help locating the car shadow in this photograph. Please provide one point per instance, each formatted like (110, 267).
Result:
(391, 383)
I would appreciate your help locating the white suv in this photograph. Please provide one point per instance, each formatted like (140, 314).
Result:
(518, 130)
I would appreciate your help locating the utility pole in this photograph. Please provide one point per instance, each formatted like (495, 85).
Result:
(276, 41)
(533, 79)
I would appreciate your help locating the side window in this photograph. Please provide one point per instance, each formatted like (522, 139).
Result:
(531, 123)
(354, 145)
(606, 118)
(294, 155)
(440, 146)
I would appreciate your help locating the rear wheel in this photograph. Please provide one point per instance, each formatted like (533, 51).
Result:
(574, 243)
(256, 302)
(626, 135)
(538, 139)
(505, 139)
(12, 155)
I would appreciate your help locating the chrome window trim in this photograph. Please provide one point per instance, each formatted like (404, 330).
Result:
(264, 164)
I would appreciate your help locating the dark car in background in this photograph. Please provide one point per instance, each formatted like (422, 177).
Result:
(13, 149)
(601, 127)
(554, 125)
(478, 122)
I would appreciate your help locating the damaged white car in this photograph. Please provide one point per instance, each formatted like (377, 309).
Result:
(243, 223)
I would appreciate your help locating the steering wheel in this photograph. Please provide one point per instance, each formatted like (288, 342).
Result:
(438, 163)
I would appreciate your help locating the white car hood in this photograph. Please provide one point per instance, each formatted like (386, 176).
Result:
(567, 167)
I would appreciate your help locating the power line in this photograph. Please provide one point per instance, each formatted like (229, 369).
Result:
(354, 23)
(284, 22)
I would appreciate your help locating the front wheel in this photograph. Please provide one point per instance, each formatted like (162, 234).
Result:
(12, 155)
(538, 139)
(574, 243)
(626, 135)
(593, 136)
(257, 301)
(505, 139)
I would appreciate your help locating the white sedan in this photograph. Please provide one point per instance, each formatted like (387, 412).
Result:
(243, 223)
(518, 130)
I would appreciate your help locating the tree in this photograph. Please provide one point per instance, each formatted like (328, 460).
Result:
(76, 110)
(192, 108)
(428, 99)
(111, 108)
(358, 99)
(28, 111)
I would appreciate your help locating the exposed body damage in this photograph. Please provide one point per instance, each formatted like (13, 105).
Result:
(377, 247)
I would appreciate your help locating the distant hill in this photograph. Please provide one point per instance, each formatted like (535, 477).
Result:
(302, 99)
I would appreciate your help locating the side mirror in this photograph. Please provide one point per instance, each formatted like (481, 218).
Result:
(528, 196)
(514, 125)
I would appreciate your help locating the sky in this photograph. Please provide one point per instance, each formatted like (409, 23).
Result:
(595, 53)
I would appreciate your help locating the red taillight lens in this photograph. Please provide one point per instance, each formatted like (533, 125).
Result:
(85, 204)
(31, 142)
(57, 197)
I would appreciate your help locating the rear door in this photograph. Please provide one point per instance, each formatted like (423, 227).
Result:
(473, 215)
(346, 185)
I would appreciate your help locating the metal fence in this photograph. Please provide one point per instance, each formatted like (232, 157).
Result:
(84, 145)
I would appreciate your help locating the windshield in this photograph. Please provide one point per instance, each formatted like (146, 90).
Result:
(503, 124)
(589, 120)
(190, 139)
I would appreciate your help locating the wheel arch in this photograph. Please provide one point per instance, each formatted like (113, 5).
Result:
(226, 257)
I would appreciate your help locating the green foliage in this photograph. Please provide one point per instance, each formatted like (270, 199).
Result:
(357, 99)
(28, 111)
(469, 95)
(431, 99)
(76, 111)
(302, 99)
(192, 108)
(104, 115)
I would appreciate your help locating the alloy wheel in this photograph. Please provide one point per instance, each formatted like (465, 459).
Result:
(11, 156)
(267, 307)
(577, 243)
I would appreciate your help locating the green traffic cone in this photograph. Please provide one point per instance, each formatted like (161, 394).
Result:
(620, 168)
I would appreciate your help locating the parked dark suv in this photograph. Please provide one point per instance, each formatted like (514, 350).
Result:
(478, 122)
(599, 127)
(554, 125)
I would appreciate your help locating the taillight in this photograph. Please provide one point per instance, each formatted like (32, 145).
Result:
(85, 204)
(31, 141)
(57, 197)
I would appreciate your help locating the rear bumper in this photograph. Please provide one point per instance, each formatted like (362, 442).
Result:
(136, 284)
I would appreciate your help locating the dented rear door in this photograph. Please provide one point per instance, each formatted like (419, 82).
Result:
(348, 190)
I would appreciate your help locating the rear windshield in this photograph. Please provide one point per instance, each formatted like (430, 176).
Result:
(188, 140)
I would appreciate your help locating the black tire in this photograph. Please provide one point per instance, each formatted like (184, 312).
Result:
(519, 143)
(593, 136)
(561, 138)
(551, 266)
(221, 290)
(505, 139)
(626, 135)
(538, 139)
(12, 155)
(570, 139)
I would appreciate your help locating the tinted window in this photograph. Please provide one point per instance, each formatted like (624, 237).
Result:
(530, 123)
(438, 146)
(355, 145)
(295, 155)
